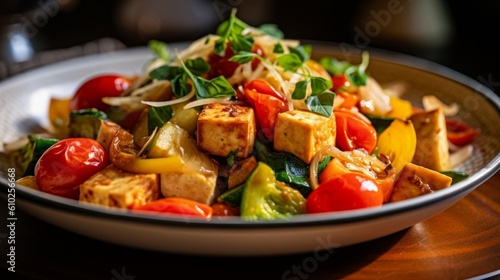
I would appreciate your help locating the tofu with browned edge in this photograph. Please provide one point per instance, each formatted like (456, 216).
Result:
(432, 142)
(224, 128)
(415, 180)
(303, 133)
(114, 187)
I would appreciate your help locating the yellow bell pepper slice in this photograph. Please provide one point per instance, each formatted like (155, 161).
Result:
(401, 109)
(398, 141)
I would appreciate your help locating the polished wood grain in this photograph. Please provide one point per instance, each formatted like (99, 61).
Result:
(459, 243)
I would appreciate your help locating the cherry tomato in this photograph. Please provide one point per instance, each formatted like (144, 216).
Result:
(67, 164)
(354, 133)
(220, 65)
(347, 192)
(224, 209)
(90, 93)
(267, 103)
(384, 179)
(340, 81)
(459, 133)
(177, 205)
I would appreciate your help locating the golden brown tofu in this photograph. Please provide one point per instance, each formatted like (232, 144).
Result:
(223, 128)
(240, 171)
(432, 142)
(417, 180)
(303, 133)
(191, 185)
(117, 188)
(106, 133)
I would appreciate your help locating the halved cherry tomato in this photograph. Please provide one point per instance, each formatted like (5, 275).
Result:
(67, 164)
(340, 81)
(460, 133)
(220, 65)
(177, 205)
(224, 209)
(267, 103)
(91, 92)
(346, 192)
(354, 133)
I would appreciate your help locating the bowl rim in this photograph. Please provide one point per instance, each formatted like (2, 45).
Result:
(309, 220)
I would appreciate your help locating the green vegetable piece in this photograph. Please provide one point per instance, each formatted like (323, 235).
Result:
(85, 123)
(288, 168)
(264, 198)
(26, 157)
(157, 116)
(272, 30)
(231, 30)
(380, 123)
(456, 176)
(160, 49)
(322, 103)
(232, 196)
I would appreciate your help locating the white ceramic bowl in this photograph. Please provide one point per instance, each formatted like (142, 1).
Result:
(24, 102)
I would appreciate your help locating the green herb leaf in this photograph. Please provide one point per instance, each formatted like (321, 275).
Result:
(278, 48)
(323, 163)
(334, 66)
(456, 176)
(157, 116)
(303, 52)
(179, 85)
(230, 30)
(272, 30)
(322, 103)
(319, 85)
(160, 49)
(197, 66)
(243, 57)
(300, 89)
(165, 72)
(289, 61)
(231, 157)
(217, 87)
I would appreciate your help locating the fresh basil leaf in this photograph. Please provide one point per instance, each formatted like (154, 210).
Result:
(289, 61)
(179, 86)
(230, 30)
(243, 57)
(319, 85)
(197, 66)
(456, 176)
(160, 49)
(303, 52)
(380, 123)
(278, 48)
(165, 72)
(217, 87)
(322, 103)
(157, 116)
(300, 89)
(334, 66)
(272, 30)
(220, 46)
(357, 77)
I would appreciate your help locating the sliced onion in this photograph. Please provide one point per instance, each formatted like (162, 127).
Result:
(187, 97)
(431, 102)
(461, 155)
(373, 99)
(206, 101)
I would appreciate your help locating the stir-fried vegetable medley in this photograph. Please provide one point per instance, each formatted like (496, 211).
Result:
(243, 123)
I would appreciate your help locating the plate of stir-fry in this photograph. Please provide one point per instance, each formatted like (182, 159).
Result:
(244, 143)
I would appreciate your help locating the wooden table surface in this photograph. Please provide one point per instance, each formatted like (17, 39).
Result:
(461, 242)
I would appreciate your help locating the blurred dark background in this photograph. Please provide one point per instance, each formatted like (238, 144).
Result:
(461, 35)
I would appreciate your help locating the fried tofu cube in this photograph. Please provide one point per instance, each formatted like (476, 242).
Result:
(303, 133)
(191, 185)
(415, 180)
(114, 187)
(224, 128)
(432, 142)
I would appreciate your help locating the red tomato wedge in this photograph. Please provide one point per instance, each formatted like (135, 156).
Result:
(67, 164)
(354, 133)
(267, 103)
(460, 133)
(177, 205)
(346, 192)
(90, 93)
